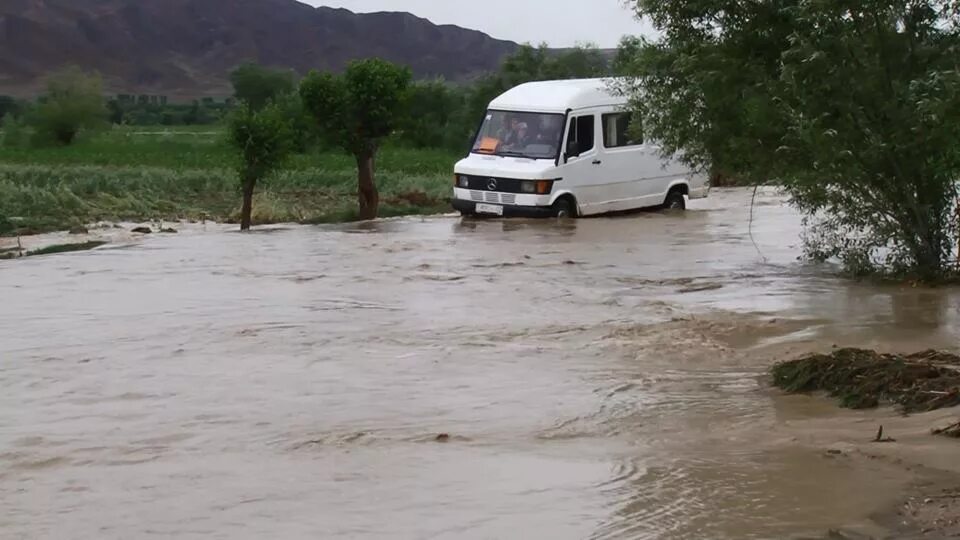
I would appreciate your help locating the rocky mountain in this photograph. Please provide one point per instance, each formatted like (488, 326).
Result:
(186, 48)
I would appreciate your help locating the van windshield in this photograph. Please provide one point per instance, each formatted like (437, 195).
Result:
(520, 134)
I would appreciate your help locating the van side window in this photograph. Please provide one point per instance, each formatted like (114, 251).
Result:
(581, 133)
(617, 132)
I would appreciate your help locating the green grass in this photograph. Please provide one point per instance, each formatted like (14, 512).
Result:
(155, 173)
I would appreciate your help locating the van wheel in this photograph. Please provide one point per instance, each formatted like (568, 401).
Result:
(675, 201)
(564, 208)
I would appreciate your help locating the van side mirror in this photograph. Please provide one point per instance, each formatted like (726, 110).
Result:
(573, 150)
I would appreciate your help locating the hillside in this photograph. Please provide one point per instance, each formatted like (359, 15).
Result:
(186, 48)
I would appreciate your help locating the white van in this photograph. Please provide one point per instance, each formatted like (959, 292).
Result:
(562, 148)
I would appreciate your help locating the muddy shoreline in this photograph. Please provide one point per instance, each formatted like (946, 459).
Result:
(929, 506)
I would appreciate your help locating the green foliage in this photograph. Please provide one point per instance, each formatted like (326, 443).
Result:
(73, 102)
(358, 109)
(433, 116)
(114, 177)
(157, 111)
(13, 133)
(6, 226)
(827, 98)
(258, 85)
(9, 106)
(263, 138)
(304, 133)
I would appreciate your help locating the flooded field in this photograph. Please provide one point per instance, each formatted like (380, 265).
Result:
(439, 378)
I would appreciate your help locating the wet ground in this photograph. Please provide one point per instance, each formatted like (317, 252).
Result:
(602, 378)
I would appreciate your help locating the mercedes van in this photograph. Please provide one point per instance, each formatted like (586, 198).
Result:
(564, 148)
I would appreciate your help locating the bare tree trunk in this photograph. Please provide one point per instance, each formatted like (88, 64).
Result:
(367, 188)
(247, 209)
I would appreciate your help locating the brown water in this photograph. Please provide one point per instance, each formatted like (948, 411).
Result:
(601, 378)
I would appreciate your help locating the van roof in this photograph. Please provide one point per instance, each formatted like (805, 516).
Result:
(557, 96)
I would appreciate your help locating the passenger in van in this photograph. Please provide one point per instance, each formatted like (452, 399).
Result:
(517, 135)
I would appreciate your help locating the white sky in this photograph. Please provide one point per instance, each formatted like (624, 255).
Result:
(560, 23)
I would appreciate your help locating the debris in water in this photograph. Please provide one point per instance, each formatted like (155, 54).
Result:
(66, 248)
(865, 379)
(141, 230)
(168, 230)
(443, 437)
(700, 288)
(78, 229)
(880, 438)
(953, 430)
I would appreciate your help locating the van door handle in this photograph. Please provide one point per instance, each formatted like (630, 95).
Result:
(597, 162)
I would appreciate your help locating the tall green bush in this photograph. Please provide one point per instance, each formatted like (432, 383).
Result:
(73, 102)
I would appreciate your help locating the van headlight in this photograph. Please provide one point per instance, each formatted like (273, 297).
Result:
(463, 181)
(528, 186)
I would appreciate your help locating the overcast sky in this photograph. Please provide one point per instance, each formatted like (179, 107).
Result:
(561, 23)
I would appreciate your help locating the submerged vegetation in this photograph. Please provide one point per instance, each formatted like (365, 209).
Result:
(864, 379)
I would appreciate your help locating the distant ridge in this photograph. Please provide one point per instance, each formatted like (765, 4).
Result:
(186, 48)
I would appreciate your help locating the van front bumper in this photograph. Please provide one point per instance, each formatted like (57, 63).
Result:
(513, 204)
(509, 210)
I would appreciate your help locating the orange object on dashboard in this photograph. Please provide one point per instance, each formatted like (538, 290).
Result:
(488, 145)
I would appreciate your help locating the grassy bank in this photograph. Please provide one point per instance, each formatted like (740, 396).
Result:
(143, 174)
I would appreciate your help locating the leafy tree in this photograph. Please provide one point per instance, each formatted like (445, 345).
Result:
(432, 109)
(263, 139)
(357, 110)
(258, 85)
(852, 105)
(73, 102)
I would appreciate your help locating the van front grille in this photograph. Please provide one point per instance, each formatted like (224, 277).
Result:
(493, 197)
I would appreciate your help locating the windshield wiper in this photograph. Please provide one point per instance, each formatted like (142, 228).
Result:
(508, 153)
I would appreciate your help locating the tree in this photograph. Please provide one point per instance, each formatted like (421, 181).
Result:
(357, 110)
(258, 85)
(263, 139)
(430, 112)
(74, 101)
(852, 105)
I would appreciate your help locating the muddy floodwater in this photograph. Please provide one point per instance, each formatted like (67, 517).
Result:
(439, 378)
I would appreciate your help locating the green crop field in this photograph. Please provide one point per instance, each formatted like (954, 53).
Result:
(141, 174)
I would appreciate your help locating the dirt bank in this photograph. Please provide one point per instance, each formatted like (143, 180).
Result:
(923, 385)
